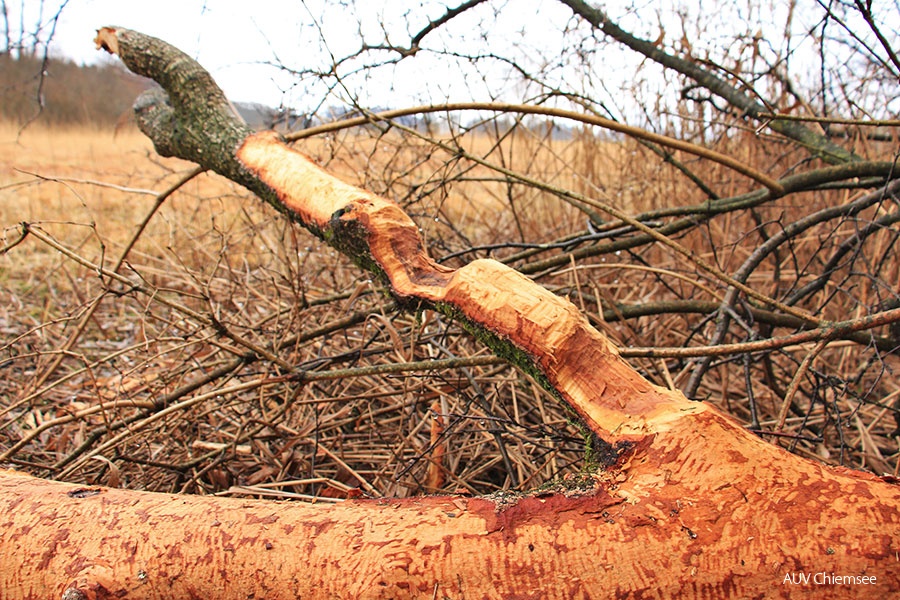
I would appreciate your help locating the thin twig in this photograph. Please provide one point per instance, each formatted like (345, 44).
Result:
(796, 381)
(45, 374)
(636, 132)
(826, 331)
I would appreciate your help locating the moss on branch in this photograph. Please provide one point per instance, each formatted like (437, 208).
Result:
(188, 116)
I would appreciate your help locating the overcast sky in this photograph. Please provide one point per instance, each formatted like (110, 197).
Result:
(234, 39)
(231, 38)
(239, 40)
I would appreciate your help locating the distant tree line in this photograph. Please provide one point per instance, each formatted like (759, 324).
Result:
(59, 92)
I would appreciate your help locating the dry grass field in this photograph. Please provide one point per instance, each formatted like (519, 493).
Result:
(162, 329)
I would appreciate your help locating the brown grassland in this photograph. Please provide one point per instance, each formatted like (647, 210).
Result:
(167, 357)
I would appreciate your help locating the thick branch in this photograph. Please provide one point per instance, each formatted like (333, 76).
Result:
(523, 322)
(671, 521)
(817, 144)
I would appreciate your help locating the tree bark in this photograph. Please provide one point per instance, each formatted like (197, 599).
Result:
(689, 505)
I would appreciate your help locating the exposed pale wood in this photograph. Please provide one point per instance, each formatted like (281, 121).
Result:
(550, 330)
(683, 515)
(691, 505)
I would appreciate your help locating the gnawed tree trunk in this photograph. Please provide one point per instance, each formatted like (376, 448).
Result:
(691, 505)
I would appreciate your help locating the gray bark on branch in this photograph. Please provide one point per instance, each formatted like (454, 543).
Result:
(817, 144)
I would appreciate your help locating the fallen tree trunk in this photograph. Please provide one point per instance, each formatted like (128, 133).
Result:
(690, 504)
